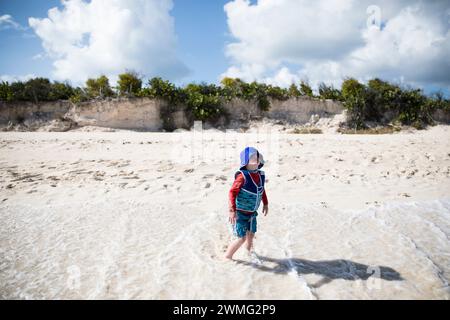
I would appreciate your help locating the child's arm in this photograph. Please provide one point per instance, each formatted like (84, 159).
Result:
(235, 188)
(265, 203)
(264, 198)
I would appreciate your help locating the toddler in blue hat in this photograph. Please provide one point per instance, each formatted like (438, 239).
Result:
(245, 197)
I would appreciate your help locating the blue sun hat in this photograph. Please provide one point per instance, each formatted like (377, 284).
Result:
(247, 153)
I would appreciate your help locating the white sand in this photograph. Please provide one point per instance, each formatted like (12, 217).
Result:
(124, 215)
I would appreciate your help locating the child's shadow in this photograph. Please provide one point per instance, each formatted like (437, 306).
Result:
(328, 269)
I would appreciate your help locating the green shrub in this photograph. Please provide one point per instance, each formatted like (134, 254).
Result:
(99, 88)
(204, 107)
(371, 102)
(17, 90)
(37, 89)
(159, 88)
(5, 91)
(277, 93)
(294, 91)
(329, 92)
(305, 89)
(79, 95)
(163, 89)
(129, 84)
(412, 108)
(61, 91)
(231, 88)
(436, 101)
(354, 94)
(204, 101)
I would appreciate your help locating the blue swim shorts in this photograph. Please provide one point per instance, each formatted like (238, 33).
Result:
(245, 222)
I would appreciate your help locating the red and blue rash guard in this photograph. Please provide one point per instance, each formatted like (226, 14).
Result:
(236, 187)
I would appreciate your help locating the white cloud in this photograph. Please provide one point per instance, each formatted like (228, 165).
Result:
(7, 22)
(12, 78)
(328, 40)
(86, 39)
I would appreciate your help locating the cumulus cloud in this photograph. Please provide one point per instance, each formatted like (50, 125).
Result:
(86, 39)
(281, 41)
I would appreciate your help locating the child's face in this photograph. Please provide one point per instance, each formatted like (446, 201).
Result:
(253, 162)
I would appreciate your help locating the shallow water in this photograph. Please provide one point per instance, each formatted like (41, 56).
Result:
(118, 249)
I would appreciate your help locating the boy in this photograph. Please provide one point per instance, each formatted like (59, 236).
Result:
(244, 199)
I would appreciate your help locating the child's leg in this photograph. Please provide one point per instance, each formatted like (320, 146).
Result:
(249, 240)
(250, 234)
(233, 247)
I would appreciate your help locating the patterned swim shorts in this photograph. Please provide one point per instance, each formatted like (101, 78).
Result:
(244, 222)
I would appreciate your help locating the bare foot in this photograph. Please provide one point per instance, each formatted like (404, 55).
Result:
(227, 258)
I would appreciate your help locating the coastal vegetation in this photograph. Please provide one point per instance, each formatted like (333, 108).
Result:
(376, 101)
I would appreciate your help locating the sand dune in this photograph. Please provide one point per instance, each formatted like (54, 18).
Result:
(143, 215)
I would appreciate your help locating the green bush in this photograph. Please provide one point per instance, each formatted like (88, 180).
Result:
(204, 101)
(354, 95)
(370, 103)
(294, 91)
(204, 107)
(412, 108)
(159, 88)
(436, 101)
(5, 91)
(163, 89)
(61, 91)
(277, 93)
(305, 89)
(99, 88)
(329, 92)
(129, 84)
(17, 91)
(254, 91)
(79, 95)
(37, 89)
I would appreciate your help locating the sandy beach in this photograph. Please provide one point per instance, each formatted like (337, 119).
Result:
(138, 215)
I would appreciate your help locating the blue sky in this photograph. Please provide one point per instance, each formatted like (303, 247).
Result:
(200, 26)
(20, 46)
(202, 34)
(272, 41)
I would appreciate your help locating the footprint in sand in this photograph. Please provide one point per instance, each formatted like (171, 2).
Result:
(112, 163)
(375, 159)
(404, 195)
(223, 178)
(430, 157)
(123, 185)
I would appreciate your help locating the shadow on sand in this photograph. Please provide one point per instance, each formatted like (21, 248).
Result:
(328, 269)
